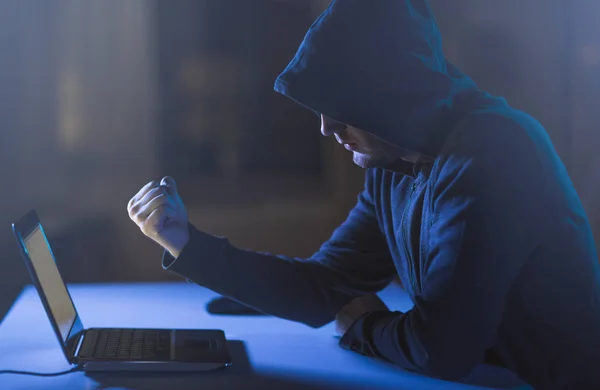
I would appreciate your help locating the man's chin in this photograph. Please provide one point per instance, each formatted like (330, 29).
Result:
(362, 160)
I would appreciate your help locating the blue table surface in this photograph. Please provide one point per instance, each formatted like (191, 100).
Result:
(267, 352)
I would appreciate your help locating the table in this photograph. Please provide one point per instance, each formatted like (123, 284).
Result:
(267, 352)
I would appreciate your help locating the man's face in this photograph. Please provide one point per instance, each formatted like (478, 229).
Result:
(368, 150)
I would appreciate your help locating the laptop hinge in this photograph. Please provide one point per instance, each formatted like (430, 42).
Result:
(77, 345)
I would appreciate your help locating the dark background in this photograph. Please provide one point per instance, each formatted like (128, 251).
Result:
(98, 98)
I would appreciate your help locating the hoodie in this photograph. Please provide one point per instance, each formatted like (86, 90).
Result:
(486, 231)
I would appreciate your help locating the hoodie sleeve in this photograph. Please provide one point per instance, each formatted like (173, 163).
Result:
(354, 261)
(489, 215)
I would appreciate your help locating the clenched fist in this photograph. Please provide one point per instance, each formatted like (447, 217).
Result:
(160, 214)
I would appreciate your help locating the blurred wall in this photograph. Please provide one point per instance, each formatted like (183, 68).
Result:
(78, 134)
(585, 115)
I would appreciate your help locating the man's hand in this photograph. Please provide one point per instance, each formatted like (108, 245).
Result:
(355, 309)
(160, 214)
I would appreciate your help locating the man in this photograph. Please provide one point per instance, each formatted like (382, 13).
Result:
(465, 200)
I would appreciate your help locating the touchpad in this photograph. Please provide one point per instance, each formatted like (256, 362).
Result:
(200, 344)
(194, 346)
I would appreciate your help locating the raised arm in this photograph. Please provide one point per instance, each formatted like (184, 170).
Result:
(353, 262)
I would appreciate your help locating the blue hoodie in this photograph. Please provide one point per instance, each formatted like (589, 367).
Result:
(486, 232)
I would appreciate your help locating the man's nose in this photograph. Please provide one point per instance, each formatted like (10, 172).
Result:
(325, 127)
(330, 127)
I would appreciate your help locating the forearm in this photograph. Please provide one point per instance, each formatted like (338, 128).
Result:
(442, 347)
(294, 289)
(391, 336)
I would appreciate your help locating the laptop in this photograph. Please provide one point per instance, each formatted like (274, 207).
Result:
(111, 349)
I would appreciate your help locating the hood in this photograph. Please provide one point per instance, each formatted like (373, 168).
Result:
(378, 65)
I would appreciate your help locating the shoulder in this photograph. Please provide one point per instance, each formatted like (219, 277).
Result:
(495, 138)
(495, 149)
(495, 130)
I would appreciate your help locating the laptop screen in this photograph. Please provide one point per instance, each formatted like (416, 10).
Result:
(60, 304)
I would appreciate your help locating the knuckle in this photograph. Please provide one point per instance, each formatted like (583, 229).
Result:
(164, 197)
(160, 190)
(134, 210)
(139, 218)
(157, 191)
(158, 200)
(150, 192)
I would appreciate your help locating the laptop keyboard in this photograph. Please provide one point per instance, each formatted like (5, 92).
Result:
(122, 344)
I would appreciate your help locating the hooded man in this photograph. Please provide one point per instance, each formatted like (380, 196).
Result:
(465, 200)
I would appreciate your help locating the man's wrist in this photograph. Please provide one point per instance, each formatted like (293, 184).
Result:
(354, 338)
(177, 245)
(175, 250)
(359, 336)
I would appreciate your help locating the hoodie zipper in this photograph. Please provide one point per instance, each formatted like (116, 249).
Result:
(405, 232)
